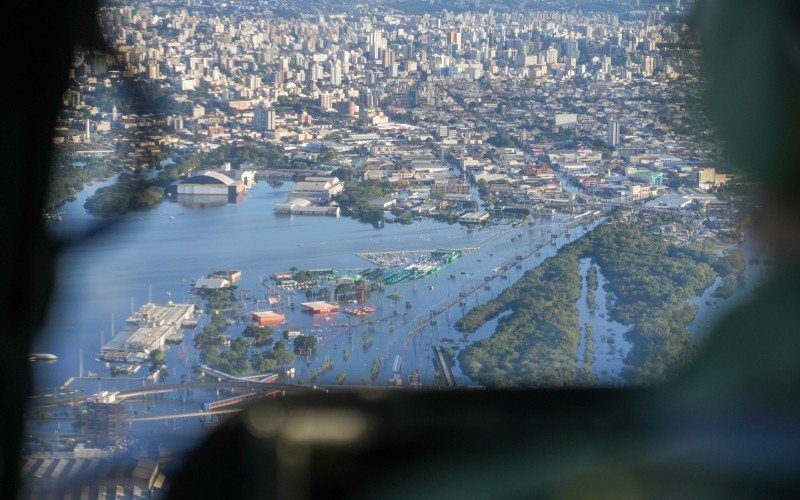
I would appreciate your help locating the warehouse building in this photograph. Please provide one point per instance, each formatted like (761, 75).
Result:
(227, 185)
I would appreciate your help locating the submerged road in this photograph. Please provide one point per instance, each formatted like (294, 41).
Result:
(507, 267)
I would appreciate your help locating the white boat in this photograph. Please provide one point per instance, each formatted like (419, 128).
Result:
(42, 356)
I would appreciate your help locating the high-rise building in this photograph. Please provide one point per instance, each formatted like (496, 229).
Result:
(612, 135)
(253, 82)
(606, 64)
(648, 66)
(336, 74)
(551, 55)
(153, 71)
(413, 98)
(571, 49)
(455, 39)
(105, 423)
(325, 101)
(264, 118)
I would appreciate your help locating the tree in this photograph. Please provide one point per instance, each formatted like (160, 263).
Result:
(261, 335)
(157, 359)
(305, 344)
(395, 297)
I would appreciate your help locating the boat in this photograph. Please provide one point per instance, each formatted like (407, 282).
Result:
(42, 356)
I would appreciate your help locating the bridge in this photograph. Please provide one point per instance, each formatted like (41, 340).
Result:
(444, 366)
(171, 416)
(262, 378)
(237, 400)
(123, 395)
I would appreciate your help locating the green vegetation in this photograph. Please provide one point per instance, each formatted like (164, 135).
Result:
(261, 335)
(725, 290)
(502, 141)
(240, 358)
(355, 200)
(135, 192)
(376, 369)
(588, 359)
(537, 344)
(305, 344)
(211, 332)
(273, 359)
(341, 378)
(650, 282)
(68, 177)
(219, 300)
(233, 361)
(304, 276)
(326, 366)
(395, 298)
(157, 360)
(591, 289)
(731, 267)
(131, 192)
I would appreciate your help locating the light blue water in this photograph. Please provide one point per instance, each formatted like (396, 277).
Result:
(610, 345)
(166, 248)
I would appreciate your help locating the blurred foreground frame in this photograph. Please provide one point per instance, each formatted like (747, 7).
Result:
(44, 35)
(574, 443)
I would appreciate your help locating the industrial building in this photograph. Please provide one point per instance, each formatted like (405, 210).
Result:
(90, 473)
(211, 283)
(313, 196)
(225, 185)
(106, 423)
(320, 307)
(305, 207)
(146, 330)
(268, 318)
(473, 218)
(317, 189)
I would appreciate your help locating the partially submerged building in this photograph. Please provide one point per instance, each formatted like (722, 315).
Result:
(226, 186)
(146, 330)
(313, 196)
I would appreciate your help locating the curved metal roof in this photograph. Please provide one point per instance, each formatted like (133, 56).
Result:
(210, 177)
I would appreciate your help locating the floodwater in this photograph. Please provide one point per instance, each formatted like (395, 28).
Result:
(610, 344)
(156, 255)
